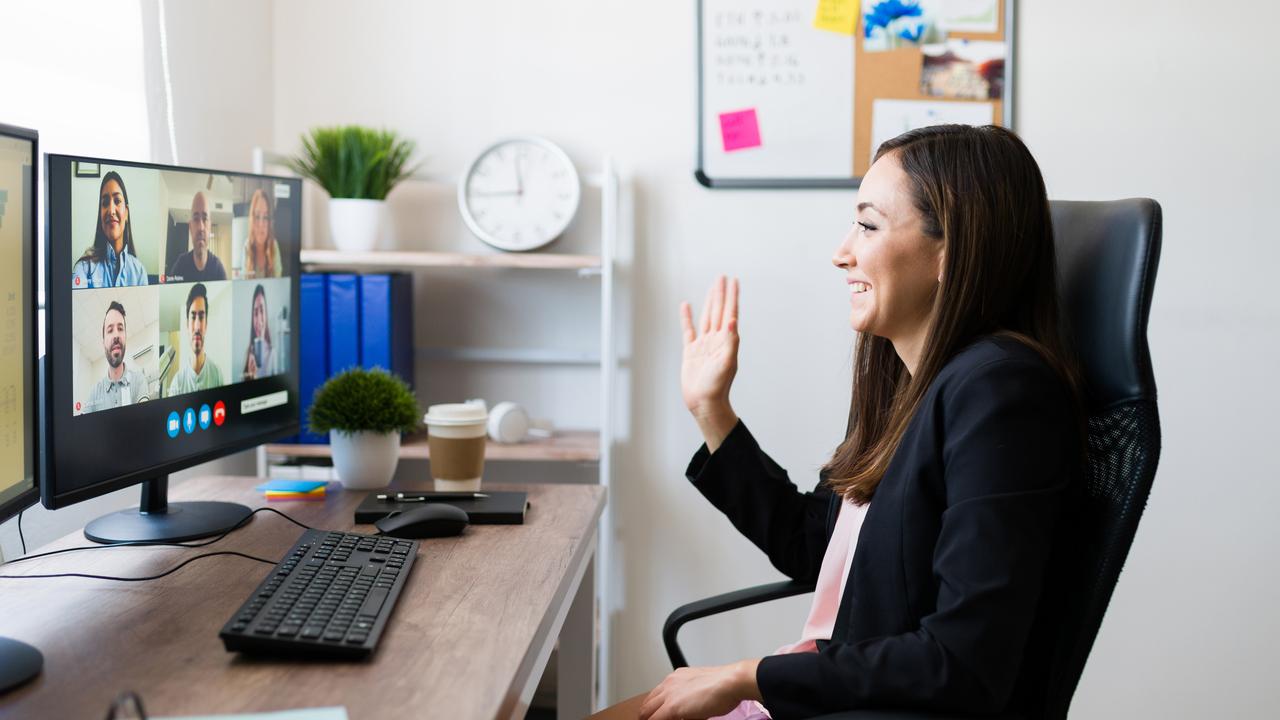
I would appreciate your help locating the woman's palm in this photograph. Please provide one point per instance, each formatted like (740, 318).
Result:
(710, 358)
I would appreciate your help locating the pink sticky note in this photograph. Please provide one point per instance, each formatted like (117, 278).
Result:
(740, 130)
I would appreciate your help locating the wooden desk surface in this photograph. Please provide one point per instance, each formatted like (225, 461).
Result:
(461, 642)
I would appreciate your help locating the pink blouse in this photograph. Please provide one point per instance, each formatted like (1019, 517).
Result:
(836, 562)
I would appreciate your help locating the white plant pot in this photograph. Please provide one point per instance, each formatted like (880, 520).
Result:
(355, 225)
(364, 460)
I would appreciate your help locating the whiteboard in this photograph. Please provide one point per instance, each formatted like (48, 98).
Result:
(765, 56)
(800, 93)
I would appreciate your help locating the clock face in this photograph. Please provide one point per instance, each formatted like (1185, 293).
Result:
(519, 194)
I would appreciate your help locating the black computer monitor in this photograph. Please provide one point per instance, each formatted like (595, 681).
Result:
(172, 333)
(19, 433)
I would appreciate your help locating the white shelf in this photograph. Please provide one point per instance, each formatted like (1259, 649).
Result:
(316, 259)
(563, 446)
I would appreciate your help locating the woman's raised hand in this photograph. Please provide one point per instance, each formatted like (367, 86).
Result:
(710, 360)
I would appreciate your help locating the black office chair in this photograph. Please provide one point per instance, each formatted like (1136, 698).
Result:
(1107, 258)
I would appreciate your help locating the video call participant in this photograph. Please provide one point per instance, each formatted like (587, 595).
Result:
(111, 261)
(261, 250)
(199, 263)
(199, 373)
(260, 360)
(122, 385)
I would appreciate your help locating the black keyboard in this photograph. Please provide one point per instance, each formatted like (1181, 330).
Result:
(330, 596)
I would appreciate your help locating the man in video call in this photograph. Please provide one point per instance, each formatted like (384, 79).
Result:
(123, 385)
(199, 373)
(198, 264)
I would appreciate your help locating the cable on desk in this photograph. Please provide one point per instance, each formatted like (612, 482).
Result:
(149, 543)
(170, 571)
(20, 537)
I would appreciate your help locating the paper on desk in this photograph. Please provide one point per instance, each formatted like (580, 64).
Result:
(319, 713)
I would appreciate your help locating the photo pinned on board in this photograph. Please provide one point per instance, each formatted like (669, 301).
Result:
(893, 24)
(966, 69)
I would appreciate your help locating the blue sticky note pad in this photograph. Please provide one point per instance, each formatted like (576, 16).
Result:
(291, 485)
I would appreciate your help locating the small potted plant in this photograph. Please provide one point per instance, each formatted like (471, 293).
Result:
(364, 412)
(357, 166)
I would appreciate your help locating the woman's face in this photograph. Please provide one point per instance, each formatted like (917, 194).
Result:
(259, 221)
(113, 214)
(891, 266)
(259, 315)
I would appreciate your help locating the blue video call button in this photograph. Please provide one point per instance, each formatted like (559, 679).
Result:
(206, 416)
(189, 420)
(173, 425)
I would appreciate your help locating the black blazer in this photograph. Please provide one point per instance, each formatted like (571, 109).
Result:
(947, 606)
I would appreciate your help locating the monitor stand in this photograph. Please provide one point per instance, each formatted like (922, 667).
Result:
(158, 520)
(19, 662)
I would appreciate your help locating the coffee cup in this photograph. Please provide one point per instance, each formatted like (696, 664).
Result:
(456, 438)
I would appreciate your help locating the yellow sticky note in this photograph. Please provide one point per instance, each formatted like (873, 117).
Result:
(837, 16)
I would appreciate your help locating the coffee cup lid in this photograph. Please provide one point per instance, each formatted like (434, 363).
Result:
(455, 414)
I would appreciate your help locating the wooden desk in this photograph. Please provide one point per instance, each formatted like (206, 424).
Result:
(469, 637)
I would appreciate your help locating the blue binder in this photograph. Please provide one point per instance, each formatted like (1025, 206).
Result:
(386, 323)
(344, 322)
(313, 366)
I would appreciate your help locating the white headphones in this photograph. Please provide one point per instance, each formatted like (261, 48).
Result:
(510, 423)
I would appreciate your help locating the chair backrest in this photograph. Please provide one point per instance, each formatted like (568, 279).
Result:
(1107, 258)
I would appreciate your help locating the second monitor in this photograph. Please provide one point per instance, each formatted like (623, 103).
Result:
(171, 333)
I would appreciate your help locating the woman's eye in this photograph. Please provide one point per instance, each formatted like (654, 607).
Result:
(865, 227)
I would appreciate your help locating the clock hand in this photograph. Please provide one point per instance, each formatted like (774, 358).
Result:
(519, 177)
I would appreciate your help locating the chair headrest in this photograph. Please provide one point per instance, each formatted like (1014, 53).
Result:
(1107, 258)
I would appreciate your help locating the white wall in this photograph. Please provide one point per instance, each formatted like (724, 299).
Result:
(220, 113)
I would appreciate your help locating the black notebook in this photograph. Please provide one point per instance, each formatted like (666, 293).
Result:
(500, 508)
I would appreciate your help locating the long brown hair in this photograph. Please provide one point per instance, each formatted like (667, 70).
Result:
(978, 190)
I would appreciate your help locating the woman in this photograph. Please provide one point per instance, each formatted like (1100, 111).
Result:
(259, 359)
(111, 261)
(931, 532)
(261, 251)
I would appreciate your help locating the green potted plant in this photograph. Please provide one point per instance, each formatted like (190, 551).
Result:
(357, 166)
(364, 412)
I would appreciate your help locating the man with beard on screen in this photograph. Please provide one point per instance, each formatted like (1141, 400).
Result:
(122, 385)
(199, 372)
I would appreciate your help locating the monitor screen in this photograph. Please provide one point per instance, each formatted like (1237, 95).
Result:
(17, 319)
(172, 330)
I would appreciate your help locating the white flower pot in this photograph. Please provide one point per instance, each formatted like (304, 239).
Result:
(355, 225)
(364, 460)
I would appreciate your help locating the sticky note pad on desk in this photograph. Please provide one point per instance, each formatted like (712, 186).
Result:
(292, 486)
(740, 130)
(317, 494)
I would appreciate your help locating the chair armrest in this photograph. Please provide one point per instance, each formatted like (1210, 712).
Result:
(723, 603)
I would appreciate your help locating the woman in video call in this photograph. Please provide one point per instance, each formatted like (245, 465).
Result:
(261, 251)
(259, 359)
(934, 532)
(111, 261)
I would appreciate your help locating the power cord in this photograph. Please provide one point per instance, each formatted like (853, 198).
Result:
(170, 571)
(152, 543)
(148, 543)
(20, 537)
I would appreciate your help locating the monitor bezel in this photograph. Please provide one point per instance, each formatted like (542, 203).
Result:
(28, 497)
(48, 475)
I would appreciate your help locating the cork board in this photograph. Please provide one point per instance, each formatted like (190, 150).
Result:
(782, 104)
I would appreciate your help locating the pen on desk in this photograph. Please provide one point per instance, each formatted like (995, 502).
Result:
(428, 497)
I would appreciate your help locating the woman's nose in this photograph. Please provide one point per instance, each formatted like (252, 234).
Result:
(844, 255)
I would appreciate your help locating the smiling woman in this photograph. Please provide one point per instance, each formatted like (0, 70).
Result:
(930, 532)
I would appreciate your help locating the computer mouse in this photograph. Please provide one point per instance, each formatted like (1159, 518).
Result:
(429, 521)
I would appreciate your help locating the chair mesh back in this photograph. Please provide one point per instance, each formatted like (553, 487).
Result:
(1124, 447)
